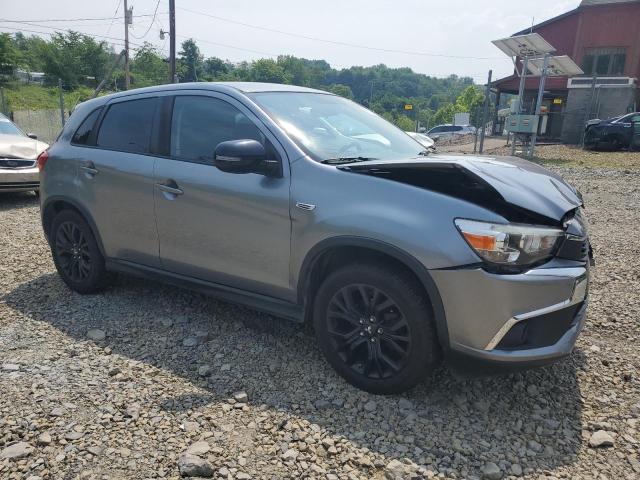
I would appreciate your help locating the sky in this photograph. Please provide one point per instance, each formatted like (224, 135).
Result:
(436, 38)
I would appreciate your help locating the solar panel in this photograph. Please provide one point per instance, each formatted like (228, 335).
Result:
(530, 45)
(558, 66)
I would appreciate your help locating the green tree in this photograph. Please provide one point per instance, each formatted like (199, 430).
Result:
(405, 123)
(190, 61)
(9, 56)
(75, 58)
(444, 114)
(267, 70)
(342, 90)
(148, 67)
(215, 68)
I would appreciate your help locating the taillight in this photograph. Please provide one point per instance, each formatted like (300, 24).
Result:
(42, 160)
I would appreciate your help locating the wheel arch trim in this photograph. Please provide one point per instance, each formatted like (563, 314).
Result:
(51, 201)
(406, 259)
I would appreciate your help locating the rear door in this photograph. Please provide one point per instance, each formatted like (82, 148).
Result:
(231, 229)
(115, 179)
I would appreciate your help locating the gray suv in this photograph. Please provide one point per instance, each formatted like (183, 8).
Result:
(308, 206)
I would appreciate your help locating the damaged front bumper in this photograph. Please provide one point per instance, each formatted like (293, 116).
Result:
(512, 321)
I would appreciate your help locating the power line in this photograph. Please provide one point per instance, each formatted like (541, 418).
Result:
(335, 42)
(150, 24)
(77, 19)
(115, 14)
(116, 41)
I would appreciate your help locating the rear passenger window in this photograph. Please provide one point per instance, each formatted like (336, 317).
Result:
(199, 124)
(83, 133)
(127, 126)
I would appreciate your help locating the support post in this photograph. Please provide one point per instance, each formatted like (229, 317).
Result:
(543, 78)
(521, 90)
(485, 111)
(61, 101)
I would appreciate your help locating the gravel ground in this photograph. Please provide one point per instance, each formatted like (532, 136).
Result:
(148, 381)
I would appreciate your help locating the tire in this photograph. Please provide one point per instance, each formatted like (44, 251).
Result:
(383, 350)
(76, 254)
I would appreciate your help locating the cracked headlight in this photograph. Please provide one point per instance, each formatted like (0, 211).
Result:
(510, 244)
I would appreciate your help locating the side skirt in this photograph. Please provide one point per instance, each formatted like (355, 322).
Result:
(270, 305)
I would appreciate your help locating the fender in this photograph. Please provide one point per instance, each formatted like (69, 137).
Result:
(80, 208)
(403, 257)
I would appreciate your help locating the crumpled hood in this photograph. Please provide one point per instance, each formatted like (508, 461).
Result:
(509, 179)
(17, 146)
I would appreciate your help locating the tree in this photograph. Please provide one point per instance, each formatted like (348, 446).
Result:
(75, 58)
(405, 123)
(190, 61)
(444, 114)
(342, 90)
(267, 70)
(8, 55)
(148, 67)
(215, 68)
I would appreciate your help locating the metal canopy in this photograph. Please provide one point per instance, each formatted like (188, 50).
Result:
(558, 66)
(530, 45)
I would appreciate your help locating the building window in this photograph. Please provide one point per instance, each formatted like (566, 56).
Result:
(604, 61)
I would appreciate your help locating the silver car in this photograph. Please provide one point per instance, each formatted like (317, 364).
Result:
(18, 155)
(308, 206)
(442, 132)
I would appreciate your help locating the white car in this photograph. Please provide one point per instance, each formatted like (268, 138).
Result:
(427, 142)
(449, 131)
(18, 158)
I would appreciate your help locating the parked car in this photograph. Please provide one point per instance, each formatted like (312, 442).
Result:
(18, 153)
(450, 131)
(614, 133)
(248, 191)
(427, 142)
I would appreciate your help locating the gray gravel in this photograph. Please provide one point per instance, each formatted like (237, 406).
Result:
(148, 381)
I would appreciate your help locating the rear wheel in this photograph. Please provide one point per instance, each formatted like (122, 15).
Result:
(76, 254)
(374, 326)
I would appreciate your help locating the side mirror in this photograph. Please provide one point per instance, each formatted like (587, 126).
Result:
(32, 135)
(243, 156)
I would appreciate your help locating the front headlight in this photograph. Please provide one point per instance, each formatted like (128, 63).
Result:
(510, 244)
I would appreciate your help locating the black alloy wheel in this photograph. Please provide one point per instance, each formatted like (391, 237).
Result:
(374, 325)
(369, 331)
(73, 252)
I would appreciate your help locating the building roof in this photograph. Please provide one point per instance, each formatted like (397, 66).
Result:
(583, 3)
(588, 3)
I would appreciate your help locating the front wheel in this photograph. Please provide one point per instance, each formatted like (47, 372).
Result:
(374, 325)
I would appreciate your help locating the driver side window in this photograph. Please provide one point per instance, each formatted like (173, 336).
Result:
(199, 124)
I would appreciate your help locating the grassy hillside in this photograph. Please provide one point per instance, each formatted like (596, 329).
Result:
(35, 97)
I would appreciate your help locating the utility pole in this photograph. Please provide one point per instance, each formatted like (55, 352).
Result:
(485, 111)
(172, 41)
(127, 21)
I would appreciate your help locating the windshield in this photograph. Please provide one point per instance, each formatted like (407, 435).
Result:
(8, 128)
(331, 127)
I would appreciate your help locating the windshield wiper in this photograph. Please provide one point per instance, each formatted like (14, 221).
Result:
(425, 153)
(339, 160)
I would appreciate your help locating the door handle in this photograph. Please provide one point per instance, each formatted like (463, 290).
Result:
(89, 168)
(173, 190)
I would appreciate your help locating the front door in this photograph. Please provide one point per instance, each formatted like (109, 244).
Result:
(231, 229)
(115, 181)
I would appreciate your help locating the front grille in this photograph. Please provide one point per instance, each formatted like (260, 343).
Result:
(16, 163)
(574, 248)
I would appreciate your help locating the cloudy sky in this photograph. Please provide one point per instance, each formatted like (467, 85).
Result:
(432, 37)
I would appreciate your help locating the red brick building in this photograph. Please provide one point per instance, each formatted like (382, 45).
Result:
(603, 38)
